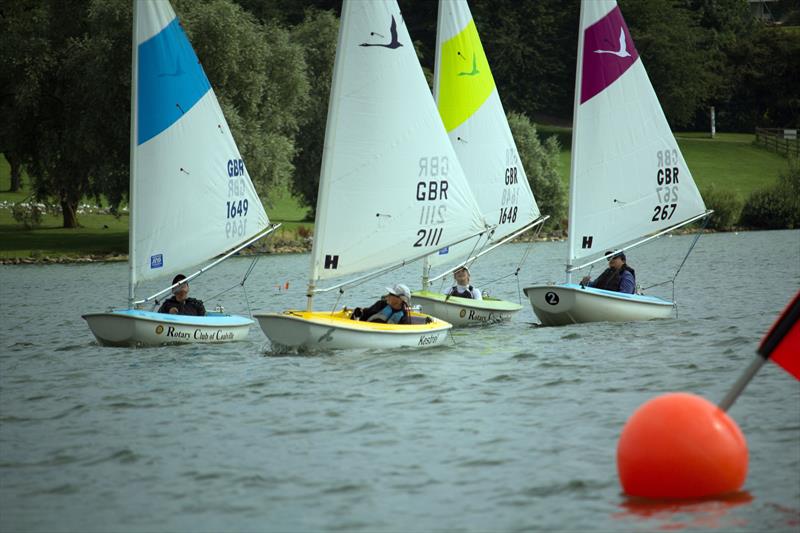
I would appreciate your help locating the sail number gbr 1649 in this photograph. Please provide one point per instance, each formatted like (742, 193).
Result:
(666, 185)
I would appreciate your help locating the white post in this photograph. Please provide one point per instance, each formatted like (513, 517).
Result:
(713, 122)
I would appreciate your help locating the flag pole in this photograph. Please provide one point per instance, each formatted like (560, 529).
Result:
(785, 326)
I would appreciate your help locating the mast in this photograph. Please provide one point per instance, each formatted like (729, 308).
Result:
(573, 151)
(327, 152)
(132, 164)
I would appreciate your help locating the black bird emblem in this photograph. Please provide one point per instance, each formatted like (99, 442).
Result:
(394, 43)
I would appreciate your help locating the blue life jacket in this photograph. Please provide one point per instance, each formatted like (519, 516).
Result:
(388, 315)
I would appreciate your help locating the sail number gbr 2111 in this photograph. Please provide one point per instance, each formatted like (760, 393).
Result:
(666, 185)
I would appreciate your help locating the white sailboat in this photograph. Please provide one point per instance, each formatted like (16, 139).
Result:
(476, 123)
(629, 182)
(391, 188)
(191, 198)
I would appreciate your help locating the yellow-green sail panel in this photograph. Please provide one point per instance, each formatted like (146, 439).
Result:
(465, 81)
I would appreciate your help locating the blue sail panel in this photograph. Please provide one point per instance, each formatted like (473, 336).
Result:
(171, 81)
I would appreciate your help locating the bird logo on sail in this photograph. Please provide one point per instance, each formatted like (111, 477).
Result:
(393, 43)
(475, 70)
(599, 71)
(623, 47)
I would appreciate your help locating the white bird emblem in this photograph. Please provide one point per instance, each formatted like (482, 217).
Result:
(623, 47)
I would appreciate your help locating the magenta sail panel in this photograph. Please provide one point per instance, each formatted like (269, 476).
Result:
(608, 51)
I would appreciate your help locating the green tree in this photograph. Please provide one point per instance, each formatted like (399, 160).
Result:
(259, 77)
(540, 161)
(317, 33)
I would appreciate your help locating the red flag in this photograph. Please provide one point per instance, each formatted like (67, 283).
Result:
(782, 342)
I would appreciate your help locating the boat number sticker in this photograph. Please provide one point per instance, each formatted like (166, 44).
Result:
(551, 298)
(237, 205)
(159, 329)
(432, 191)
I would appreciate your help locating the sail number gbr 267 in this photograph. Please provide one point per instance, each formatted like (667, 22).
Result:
(432, 195)
(666, 185)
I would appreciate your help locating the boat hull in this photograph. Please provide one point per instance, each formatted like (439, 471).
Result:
(132, 327)
(559, 305)
(464, 312)
(312, 331)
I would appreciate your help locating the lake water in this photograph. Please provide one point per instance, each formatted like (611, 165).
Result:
(508, 428)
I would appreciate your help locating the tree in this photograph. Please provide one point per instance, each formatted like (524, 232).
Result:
(540, 161)
(318, 33)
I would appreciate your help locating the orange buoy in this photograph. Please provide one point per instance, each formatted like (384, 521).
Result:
(680, 445)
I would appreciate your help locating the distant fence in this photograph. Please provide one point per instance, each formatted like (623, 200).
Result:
(784, 141)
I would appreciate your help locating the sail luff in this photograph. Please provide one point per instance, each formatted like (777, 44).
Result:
(573, 157)
(323, 192)
(132, 159)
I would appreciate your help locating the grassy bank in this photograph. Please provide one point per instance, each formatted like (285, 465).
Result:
(730, 161)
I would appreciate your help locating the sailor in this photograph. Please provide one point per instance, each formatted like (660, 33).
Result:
(617, 277)
(462, 288)
(392, 308)
(180, 303)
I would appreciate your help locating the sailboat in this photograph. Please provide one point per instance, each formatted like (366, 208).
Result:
(470, 107)
(391, 189)
(629, 182)
(191, 198)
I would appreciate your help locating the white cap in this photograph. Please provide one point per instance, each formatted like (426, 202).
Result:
(401, 291)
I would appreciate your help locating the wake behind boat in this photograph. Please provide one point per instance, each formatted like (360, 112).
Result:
(629, 182)
(391, 188)
(181, 147)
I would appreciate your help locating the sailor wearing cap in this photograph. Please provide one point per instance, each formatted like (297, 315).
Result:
(392, 308)
(617, 277)
(462, 288)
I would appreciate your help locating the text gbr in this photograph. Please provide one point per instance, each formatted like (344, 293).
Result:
(666, 185)
(432, 192)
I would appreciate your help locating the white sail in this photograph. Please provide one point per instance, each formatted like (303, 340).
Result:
(476, 123)
(629, 178)
(191, 196)
(391, 187)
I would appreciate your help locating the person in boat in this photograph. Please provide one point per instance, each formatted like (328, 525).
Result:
(392, 308)
(180, 303)
(462, 288)
(617, 277)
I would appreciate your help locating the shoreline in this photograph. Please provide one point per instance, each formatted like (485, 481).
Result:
(298, 247)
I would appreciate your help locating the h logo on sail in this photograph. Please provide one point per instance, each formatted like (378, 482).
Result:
(331, 261)
(587, 241)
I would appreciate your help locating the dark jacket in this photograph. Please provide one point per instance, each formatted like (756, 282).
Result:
(466, 294)
(365, 314)
(611, 279)
(190, 306)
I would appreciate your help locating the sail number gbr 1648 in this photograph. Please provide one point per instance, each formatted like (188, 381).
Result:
(666, 185)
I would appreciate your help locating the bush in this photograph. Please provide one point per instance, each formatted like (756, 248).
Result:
(777, 207)
(540, 161)
(28, 213)
(727, 206)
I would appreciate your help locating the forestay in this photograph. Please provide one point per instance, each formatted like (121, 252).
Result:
(629, 178)
(391, 187)
(191, 195)
(473, 116)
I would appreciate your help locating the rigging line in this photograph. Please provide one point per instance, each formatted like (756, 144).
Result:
(524, 258)
(341, 292)
(696, 237)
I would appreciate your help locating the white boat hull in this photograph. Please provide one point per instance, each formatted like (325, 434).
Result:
(558, 305)
(132, 327)
(464, 312)
(313, 331)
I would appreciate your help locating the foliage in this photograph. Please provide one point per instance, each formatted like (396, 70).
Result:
(318, 34)
(259, 78)
(540, 161)
(727, 206)
(776, 207)
(28, 213)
